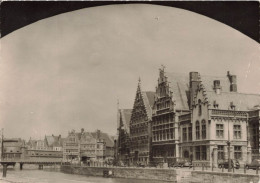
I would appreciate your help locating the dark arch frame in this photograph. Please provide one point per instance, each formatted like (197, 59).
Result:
(241, 15)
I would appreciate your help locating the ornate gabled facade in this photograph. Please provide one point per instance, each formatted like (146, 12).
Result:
(123, 151)
(71, 147)
(170, 101)
(140, 127)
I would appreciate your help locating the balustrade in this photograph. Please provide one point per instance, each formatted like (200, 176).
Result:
(228, 113)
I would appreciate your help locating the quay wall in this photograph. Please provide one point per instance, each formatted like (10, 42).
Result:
(223, 177)
(169, 175)
(124, 172)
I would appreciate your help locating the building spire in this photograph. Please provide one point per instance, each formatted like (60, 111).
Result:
(117, 104)
(163, 67)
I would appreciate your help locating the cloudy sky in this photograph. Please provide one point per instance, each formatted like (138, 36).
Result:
(67, 72)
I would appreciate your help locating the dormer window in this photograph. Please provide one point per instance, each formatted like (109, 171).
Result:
(215, 105)
(232, 106)
(200, 108)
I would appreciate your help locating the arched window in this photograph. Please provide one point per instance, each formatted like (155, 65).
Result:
(200, 110)
(203, 129)
(197, 130)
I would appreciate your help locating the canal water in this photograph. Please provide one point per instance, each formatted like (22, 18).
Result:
(14, 175)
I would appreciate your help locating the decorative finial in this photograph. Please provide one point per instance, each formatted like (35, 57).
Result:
(163, 67)
(117, 104)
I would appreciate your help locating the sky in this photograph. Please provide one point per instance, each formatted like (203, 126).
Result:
(68, 71)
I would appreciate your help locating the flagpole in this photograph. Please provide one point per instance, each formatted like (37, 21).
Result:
(2, 145)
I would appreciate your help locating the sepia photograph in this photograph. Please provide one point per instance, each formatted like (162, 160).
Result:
(130, 92)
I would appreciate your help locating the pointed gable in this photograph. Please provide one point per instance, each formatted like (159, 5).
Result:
(125, 116)
(148, 99)
(53, 141)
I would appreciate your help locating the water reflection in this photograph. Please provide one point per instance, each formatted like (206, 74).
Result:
(55, 176)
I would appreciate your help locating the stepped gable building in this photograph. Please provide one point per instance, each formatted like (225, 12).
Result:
(71, 148)
(123, 130)
(87, 146)
(140, 127)
(219, 115)
(171, 100)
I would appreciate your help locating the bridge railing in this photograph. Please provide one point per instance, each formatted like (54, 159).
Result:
(32, 159)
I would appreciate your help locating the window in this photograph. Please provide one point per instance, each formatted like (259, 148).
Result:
(164, 135)
(171, 134)
(197, 152)
(203, 129)
(219, 130)
(167, 134)
(184, 134)
(190, 133)
(237, 131)
(197, 130)
(237, 152)
(203, 153)
(200, 110)
(221, 152)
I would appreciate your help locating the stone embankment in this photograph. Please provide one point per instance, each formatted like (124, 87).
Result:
(168, 175)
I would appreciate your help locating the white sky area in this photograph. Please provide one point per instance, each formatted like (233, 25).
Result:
(67, 72)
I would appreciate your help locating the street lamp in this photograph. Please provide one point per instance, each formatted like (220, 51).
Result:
(2, 145)
(228, 144)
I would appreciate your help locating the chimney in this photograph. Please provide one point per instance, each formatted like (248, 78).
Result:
(233, 82)
(217, 86)
(98, 134)
(82, 130)
(194, 84)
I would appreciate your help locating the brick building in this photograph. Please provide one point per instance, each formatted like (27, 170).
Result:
(140, 127)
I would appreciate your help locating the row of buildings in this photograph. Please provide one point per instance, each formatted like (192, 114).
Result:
(189, 116)
(77, 146)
